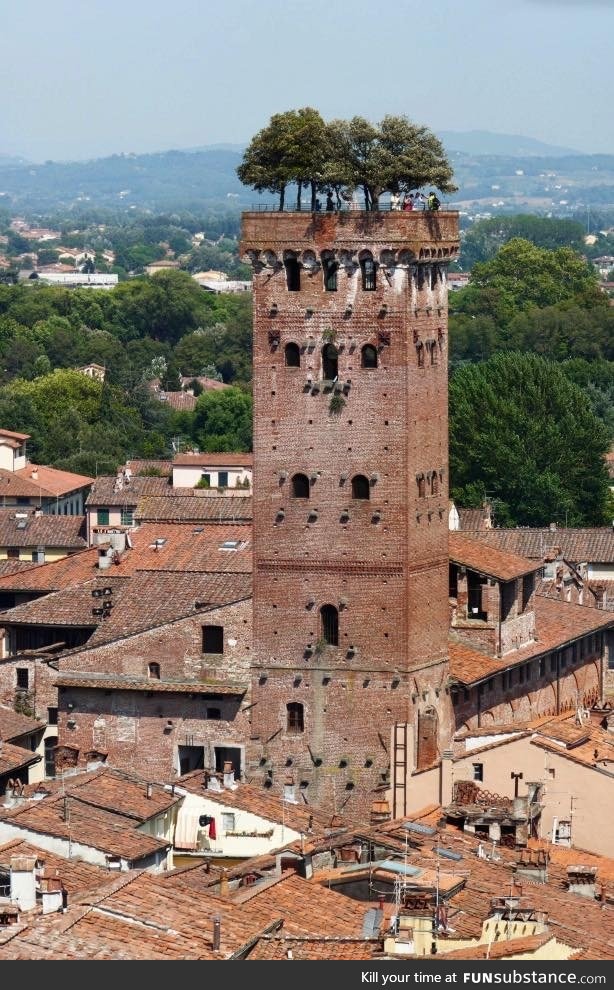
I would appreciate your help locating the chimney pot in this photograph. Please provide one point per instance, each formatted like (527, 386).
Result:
(217, 932)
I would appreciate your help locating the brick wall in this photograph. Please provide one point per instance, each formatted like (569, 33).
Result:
(382, 562)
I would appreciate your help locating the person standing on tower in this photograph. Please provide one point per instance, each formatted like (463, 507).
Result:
(330, 206)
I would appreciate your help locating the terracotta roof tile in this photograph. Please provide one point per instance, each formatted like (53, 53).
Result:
(139, 465)
(13, 758)
(488, 560)
(305, 947)
(113, 790)
(51, 480)
(578, 545)
(13, 724)
(75, 874)
(127, 683)
(195, 509)
(557, 623)
(45, 530)
(104, 491)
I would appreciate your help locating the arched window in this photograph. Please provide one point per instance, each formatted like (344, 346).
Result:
(300, 486)
(360, 486)
(295, 718)
(434, 355)
(330, 362)
(293, 356)
(330, 625)
(369, 356)
(420, 353)
(330, 267)
(435, 484)
(153, 671)
(421, 480)
(293, 274)
(367, 267)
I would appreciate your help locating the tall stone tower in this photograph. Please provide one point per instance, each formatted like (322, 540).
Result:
(350, 497)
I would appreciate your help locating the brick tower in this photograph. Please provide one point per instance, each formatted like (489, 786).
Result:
(350, 497)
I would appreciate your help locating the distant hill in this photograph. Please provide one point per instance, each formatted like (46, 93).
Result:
(489, 143)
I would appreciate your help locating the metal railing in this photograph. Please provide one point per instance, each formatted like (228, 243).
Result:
(346, 208)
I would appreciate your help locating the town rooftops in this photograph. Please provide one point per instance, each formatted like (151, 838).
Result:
(247, 797)
(314, 947)
(128, 682)
(106, 492)
(52, 481)
(112, 790)
(190, 459)
(138, 467)
(557, 624)
(196, 509)
(83, 821)
(578, 545)
(492, 562)
(139, 916)
(74, 874)
(26, 529)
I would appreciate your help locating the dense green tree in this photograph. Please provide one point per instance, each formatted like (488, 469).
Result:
(223, 420)
(523, 435)
(482, 241)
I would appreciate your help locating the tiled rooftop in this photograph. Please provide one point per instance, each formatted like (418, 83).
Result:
(74, 873)
(13, 724)
(67, 532)
(488, 560)
(305, 947)
(13, 758)
(195, 509)
(51, 480)
(557, 624)
(577, 545)
(120, 682)
(71, 819)
(104, 490)
(248, 797)
(112, 790)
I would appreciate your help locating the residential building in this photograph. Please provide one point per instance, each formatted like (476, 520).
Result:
(28, 535)
(221, 471)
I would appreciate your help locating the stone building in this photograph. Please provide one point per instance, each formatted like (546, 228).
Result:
(350, 494)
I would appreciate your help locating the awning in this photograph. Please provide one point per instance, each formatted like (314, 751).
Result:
(186, 829)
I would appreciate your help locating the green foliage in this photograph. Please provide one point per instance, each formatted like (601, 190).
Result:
(298, 147)
(223, 420)
(336, 404)
(203, 483)
(522, 434)
(485, 238)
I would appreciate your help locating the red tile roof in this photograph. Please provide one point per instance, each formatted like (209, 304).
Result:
(306, 947)
(557, 624)
(13, 758)
(51, 480)
(578, 545)
(74, 873)
(105, 491)
(124, 682)
(196, 509)
(66, 532)
(13, 724)
(11, 435)
(487, 560)
(112, 790)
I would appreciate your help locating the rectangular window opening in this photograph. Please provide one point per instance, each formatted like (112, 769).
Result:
(213, 639)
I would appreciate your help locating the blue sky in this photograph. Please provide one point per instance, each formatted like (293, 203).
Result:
(93, 78)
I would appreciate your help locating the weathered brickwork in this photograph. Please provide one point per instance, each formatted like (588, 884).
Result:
(381, 561)
(147, 728)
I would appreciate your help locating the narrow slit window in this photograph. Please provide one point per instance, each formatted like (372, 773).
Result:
(330, 274)
(369, 279)
(330, 362)
(295, 718)
(293, 274)
(330, 624)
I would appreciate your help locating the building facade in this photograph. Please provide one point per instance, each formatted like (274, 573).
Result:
(351, 494)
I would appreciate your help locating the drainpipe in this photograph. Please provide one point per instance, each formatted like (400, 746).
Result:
(558, 682)
(479, 706)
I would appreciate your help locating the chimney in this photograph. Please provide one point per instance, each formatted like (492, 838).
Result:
(582, 880)
(213, 782)
(552, 527)
(217, 933)
(53, 895)
(23, 881)
(35, 474)
(229, 776)
(224, 885)
(149, 791)
(289, 790)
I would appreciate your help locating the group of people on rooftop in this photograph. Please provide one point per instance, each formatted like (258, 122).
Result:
(397, 202)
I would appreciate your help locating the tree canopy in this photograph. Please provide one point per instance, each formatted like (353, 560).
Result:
(523, 435)
(299, 147)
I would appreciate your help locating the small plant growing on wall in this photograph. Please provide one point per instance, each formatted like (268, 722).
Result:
(329, 335)
(336, 404)
(320, 645)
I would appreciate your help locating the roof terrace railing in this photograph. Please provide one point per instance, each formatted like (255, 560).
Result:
(345, 208)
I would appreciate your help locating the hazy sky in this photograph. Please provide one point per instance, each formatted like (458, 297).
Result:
(83, 78)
